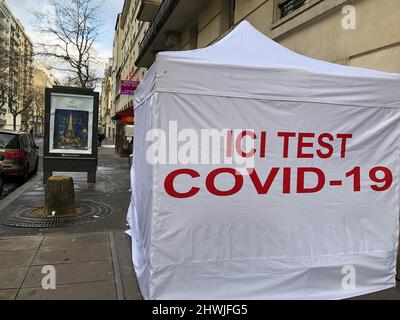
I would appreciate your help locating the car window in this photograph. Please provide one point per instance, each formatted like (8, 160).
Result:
(9, 141)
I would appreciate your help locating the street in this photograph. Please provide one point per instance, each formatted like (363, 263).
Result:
(11, 184)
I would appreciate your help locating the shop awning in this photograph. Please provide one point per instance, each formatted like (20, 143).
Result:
(125, 115)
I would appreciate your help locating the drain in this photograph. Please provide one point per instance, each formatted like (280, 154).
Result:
(86, 212)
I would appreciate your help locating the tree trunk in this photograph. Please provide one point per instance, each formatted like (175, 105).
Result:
(60, 196)
(15, 122)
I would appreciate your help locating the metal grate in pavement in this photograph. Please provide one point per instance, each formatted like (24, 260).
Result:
(89, 211)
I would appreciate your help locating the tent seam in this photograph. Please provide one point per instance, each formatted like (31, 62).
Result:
(269, 98)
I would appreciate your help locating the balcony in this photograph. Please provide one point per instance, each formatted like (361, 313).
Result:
(3, 36)
(170, 19)
(148, 9)
(289, 6)
(3, 24)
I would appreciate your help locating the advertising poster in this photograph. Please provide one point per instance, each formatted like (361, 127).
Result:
(71, 124)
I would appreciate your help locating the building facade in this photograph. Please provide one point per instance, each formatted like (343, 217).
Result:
(42, 79)
(129, 32)
(361, 33)
(107, 107)
(16, 50)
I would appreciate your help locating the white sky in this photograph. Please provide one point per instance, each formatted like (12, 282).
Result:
(22, 9)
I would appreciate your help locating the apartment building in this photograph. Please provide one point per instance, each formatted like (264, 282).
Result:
(362, 33)
(42, 79)
(16, 43)
(129, 32)
(107, 107)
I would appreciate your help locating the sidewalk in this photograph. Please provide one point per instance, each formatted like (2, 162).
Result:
(87, 266)
(91, 261)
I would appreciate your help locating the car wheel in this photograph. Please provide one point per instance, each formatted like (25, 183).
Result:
(24, 178)
(36, 167)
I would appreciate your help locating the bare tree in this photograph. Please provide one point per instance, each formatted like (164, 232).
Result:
(38, 110)
(74, 27)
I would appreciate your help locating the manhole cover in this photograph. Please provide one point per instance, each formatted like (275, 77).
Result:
(87, 212)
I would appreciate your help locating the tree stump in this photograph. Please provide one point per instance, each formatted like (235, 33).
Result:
(59, 196)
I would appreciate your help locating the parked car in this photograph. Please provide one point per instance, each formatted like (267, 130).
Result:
(19, 155)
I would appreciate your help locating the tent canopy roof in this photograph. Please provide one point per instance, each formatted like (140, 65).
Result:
(247, 64)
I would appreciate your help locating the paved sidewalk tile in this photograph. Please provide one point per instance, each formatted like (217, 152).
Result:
(72, 273)
(101, 290)
(16, 258)
(21, 243)
(73, 254)
(8, 294)
(69, 240)
(11, 278)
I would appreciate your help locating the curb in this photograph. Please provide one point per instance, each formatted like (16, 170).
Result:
(18, 192)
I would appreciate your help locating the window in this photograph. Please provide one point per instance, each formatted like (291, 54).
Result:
(289, 6)
(9, 141)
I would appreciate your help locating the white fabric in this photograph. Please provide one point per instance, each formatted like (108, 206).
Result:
(274, 246)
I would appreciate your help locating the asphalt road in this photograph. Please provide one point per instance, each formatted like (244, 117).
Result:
(11, 184)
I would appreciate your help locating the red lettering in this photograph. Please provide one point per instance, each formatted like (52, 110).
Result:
(210, 182)
(356, 173)
(286, 137)
(386, 180)
(325, 145)
(343, 147)
(287, 172)
(239, 141)
(263, 188)
(301, 177)
(263, 145)
(301, 145)
(169, 184)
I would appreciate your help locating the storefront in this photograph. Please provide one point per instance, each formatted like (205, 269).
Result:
(124, 131)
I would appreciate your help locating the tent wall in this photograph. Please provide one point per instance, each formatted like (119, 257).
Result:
(140, 213)
(275, 246)
(279, 245)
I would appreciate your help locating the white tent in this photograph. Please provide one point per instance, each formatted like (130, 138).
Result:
(328, 232)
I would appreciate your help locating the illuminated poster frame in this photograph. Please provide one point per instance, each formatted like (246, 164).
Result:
(71, 131)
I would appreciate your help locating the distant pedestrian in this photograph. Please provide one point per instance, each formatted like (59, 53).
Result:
(100, 138)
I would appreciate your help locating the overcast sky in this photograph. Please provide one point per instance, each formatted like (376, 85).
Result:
(22, 9)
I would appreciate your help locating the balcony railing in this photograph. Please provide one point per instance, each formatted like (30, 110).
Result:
(290, 6)
(148, 9)
(3, 24)
(3, 35)
(166, 8)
